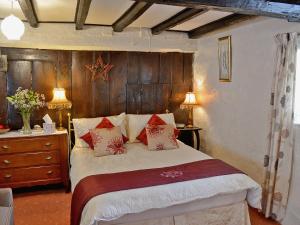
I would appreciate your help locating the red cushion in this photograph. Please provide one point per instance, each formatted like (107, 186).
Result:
(105, 123)
(154, 120)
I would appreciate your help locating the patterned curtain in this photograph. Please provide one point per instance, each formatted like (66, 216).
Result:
(279, 158)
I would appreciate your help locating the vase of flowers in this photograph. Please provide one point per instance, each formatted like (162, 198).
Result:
(25, 101)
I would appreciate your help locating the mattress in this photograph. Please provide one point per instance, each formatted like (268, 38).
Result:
(208, 192)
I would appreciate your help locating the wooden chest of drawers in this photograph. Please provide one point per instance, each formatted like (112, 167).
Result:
(34, 160)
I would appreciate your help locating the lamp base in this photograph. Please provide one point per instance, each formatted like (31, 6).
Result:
(60, 128)
(189, 126)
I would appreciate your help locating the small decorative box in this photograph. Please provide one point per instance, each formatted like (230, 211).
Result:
(49, 128)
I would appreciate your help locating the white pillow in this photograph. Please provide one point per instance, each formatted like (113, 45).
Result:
(84, 125)
(136, 123)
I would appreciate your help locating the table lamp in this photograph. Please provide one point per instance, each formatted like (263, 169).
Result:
(59, 102)
(189, 103)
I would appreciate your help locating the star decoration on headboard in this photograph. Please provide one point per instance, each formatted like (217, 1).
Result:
(99, 69)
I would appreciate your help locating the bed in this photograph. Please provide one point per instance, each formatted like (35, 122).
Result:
(220, 200)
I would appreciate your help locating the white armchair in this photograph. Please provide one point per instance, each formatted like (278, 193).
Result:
(6, 207)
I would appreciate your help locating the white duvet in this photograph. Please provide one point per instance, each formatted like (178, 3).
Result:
(114, 205)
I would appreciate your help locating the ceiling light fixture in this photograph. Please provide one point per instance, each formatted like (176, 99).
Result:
(12, 27)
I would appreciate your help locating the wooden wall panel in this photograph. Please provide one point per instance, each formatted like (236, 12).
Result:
(64, 77)
(117, 82)
(165, 72)
(148, 98)
(18, 75)
(177, 68)
(3, 102)
(100, 91)
(133, 94)
(43, 81)
(139, 82)
(82, 98)
(162, 98)
(133, 69)
(188, 69)
(149, 67)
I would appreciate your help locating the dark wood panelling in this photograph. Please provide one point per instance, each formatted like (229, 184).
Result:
(133, 68)
(3, 102)
(30, 54)
(139, 82)
(118, 80)
(100, 91)
(177, 68)
(165, 73)
(162, 98)
(148, 98)
(81, 84)
(133, 93)
(18, 75)
(43, 81)
(149, 67)
(188, 69)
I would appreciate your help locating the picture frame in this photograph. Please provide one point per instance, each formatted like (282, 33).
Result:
(3, 63)
(225, 59)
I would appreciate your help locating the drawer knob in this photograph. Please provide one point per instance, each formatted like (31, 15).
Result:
(50, 172)
(5, 161)
(7, 176)
(48, 144)
(48, 158)
(5, 147)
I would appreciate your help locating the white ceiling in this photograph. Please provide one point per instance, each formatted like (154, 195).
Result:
(156, 14)
(5, 9)
(106, 12)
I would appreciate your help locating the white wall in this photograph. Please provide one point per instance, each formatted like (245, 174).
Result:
(236, 118)
(64, 36)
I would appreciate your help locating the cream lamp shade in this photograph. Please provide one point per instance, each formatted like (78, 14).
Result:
(12, 27)
(190, 99)
(189, 102)
(59, 102)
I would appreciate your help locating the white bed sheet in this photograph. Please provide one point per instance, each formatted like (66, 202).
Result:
(112, 206)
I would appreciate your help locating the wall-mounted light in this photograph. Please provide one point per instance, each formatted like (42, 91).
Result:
(12, 27)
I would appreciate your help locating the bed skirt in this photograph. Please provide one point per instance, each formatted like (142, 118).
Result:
(234, 214)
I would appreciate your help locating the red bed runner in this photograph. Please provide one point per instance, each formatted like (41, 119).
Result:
(94, 185)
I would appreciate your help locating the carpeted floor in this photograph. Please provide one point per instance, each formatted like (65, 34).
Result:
(52, 207)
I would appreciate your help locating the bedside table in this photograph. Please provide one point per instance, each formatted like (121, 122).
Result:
(187, 136)
(36, 159)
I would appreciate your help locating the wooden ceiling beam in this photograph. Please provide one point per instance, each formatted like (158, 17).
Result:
(293, 2)
(218, 24)
(82, 11)
(178, 18)
(29, 12)
(134, 12)
(291, 12)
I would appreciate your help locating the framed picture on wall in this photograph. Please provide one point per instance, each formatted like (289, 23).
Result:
(224, 45)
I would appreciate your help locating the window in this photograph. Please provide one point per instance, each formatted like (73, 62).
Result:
(297, 91)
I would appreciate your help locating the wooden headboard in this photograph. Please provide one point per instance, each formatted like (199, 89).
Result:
(140, 82)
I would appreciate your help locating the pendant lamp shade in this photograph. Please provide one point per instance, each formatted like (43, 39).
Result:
(12, 27)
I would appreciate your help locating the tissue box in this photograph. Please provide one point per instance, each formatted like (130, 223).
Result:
(49, 128)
